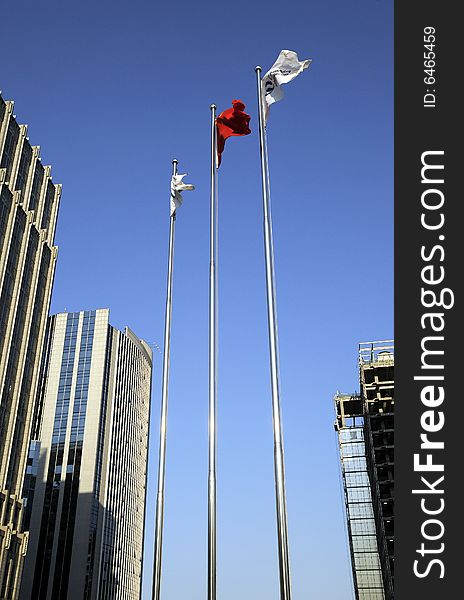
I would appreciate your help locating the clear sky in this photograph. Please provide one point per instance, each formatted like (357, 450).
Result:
(112, 91)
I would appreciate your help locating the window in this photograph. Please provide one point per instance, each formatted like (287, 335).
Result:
(24, 164)
(10, 148)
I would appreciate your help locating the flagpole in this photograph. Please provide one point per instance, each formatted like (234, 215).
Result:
(279, 467)
(164, 412)
(212, 366)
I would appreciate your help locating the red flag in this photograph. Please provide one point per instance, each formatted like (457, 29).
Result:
(232, 121)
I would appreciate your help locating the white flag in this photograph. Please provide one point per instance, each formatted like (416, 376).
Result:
(286, 67)
(178, 186)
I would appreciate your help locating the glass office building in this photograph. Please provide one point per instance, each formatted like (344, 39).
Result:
(87, 468)
(365, 427)
(29, 203)
(365, 561)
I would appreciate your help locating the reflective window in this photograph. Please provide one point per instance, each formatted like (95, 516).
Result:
(36, 186)
(24, 164)
(9, 148)
(49, 197)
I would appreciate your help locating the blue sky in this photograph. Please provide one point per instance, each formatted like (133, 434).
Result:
(112, 91)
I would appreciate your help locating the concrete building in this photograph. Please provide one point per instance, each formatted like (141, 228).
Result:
(365, 427)
(87, 468)
(29, 203)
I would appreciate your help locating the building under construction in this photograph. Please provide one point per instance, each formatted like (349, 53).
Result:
(365, 428)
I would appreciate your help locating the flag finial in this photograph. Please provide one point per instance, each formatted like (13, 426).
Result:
(258, 68)
(213, 107)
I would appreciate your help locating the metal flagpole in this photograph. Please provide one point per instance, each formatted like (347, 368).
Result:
(164, 413)
(279, 469)
(212, 367)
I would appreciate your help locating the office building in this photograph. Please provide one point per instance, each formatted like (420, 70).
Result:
(88, 464)
(365, 428)
(29, 203)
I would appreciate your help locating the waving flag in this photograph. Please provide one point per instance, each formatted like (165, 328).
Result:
(178, 186)
(232, 121)
(286, 67)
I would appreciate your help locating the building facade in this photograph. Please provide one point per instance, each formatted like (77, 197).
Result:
(88, 464)
(29, 203)
(365, 428)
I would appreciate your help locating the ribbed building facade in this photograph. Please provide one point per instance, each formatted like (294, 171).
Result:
(88, 464)
(29, 203)
(365, 428)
